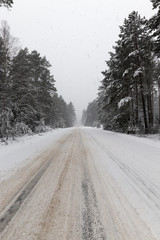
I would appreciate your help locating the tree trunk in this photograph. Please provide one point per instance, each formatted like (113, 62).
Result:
(137, 108)
(150, 111)
(159, 107)
(143, 105)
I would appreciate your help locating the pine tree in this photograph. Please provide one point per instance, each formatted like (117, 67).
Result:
(32, 88)
(126, 90)
(90, 115)
(2, 77)
(46, 89)
(154, 25)
(84, 116)
(28, 97)
(23, 99)
(71, 116)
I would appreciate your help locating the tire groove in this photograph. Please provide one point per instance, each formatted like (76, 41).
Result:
(8, 214)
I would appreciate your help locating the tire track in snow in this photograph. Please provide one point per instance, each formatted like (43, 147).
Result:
(145, 184)
(9, 211)
(9, 214)
(92, 228)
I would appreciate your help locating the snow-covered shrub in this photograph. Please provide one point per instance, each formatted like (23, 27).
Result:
(41, 126)
(21, 129)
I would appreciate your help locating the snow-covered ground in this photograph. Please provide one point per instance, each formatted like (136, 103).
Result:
(122, 173)
(17, 152)
(134, 163)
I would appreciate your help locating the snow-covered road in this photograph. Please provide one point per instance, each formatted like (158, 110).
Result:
(88, 184)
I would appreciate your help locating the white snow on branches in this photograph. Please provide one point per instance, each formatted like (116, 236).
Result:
(137, 72)
(125, 72)
(133, 53)
(123, 101)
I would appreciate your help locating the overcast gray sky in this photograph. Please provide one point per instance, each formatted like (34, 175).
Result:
(75, 36)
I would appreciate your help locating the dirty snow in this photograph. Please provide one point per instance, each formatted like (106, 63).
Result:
(121, 171)
(17, 152)
(133, 163)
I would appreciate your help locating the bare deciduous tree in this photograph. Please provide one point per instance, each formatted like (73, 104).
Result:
(10, 43)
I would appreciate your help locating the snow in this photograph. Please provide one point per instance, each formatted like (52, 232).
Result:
(137, 72)
(125, 72)
(134, 163)
(17, 152)
(123, 101)
(133, 53)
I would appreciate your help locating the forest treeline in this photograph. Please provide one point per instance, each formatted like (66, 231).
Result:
(90, 115)
(28, 96)
(129, 95)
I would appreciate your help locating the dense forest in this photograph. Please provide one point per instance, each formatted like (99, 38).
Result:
(90, 115)
(28, 96)
(129, 95)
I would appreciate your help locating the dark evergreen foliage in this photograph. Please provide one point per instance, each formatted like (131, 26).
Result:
(90, 115)
(154, 25)
(126, 96)
(28, 97)
(71, 116)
